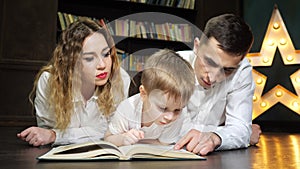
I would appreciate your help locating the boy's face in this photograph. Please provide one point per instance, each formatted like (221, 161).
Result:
(160, 108)
(212, 64)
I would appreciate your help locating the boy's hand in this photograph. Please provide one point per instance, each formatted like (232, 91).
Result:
(132, 136)
(37, 136)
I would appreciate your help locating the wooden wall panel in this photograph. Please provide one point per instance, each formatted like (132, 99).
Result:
(27, 38)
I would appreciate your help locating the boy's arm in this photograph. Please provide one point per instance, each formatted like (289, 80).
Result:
(127, 138)
(116, 139)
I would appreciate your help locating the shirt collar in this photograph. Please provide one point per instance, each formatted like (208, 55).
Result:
(79, 98)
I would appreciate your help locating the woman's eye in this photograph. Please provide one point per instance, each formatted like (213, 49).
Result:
(88, 59)
(107, 54)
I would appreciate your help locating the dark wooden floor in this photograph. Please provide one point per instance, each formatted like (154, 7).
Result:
(275, 151)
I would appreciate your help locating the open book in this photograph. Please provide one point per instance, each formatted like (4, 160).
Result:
(102, 150)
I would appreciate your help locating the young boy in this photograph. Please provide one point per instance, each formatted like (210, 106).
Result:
(153, 115)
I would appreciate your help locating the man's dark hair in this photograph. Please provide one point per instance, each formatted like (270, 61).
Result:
(231, 31)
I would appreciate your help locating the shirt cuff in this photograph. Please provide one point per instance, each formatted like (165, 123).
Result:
(219, 146)
(59, 140)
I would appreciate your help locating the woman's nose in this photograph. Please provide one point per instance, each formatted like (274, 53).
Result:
(100, 63)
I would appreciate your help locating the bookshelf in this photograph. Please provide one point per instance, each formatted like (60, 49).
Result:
(137, 45)
(148, 15)
(28, 38)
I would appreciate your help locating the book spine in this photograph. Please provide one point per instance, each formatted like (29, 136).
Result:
(61, 20)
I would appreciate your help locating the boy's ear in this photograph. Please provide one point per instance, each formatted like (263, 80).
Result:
(143, 92)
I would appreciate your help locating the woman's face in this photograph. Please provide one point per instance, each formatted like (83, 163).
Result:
(96, 60)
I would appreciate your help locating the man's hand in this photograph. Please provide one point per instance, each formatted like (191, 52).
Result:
(132, 136)
(256, 131)
(37, 136)
(199, 142)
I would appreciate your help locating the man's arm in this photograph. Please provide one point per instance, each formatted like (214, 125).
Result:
(236, 131)
(199, 142)
(256, 131)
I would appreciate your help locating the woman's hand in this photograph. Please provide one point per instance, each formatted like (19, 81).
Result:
(37, 136)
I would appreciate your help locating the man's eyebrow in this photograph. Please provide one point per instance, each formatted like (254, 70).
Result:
(210, 61)
(229, 68)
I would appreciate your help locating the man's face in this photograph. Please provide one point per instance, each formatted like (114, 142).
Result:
(212, 64)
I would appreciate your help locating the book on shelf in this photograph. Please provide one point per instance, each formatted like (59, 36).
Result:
(102, 150)
(188, 4)
(132, 62)
(61, 20)
(139, 29)
(105, 24)
(66, 19)
(122, 56)
(150, 30)
(102, 23)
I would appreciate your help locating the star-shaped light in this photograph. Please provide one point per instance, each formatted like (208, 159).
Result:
(276, 37)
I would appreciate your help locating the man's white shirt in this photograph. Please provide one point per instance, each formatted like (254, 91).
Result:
(225, 109)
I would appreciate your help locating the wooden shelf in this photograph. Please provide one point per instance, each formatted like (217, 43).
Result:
(115, 9)
(131, 45)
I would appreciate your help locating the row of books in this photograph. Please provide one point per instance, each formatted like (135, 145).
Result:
(139, 29)
(131, 62)
(66, 19)
(151, 30)
(187, 4)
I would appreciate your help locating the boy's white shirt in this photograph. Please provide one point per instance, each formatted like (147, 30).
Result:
(128, 116)
(87, 122)
(225, 109)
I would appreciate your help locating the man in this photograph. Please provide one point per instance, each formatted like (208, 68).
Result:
(219, 114)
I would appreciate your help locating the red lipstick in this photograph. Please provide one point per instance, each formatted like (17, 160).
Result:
(102, 75)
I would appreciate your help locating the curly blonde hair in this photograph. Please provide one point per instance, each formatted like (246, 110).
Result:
(62, 70)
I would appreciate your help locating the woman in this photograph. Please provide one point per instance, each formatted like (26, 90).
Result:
(78, 90)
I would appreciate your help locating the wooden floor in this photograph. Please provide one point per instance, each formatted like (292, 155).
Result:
(274, 151)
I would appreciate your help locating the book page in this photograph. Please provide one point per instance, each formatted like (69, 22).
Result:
(105, 150)
(157, 152)
(90, 150)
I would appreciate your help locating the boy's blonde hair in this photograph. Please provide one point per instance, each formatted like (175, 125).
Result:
(165, 70)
